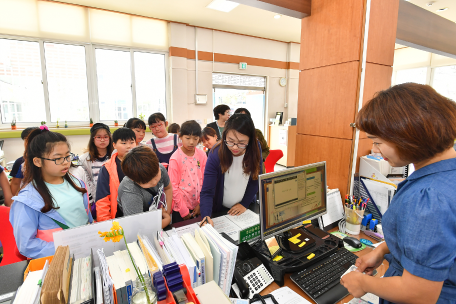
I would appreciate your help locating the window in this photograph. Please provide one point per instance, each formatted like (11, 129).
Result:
(50, 81)
(114, 84)
(418, 75)
(444, 81)
(150, 83)
(241, 91)
(21, 88)
(67, 82)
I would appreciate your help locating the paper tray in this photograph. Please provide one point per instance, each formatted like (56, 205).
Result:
(191, 295)
(37, 264)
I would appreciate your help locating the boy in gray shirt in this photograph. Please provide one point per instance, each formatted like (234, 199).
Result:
(144, 178)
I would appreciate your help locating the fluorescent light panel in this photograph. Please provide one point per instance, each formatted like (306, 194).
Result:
(222, 5)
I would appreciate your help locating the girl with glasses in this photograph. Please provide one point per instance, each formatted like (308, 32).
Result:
(231, 175)
(98, 152)
(51, 199)
(164, 144)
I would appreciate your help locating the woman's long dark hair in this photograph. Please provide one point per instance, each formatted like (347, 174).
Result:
(39, 144)
(252, 157)
(92, 149)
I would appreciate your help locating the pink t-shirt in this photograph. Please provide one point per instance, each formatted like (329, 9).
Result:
(186, 174)
(165, 145)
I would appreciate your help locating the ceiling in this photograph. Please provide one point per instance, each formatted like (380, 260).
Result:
(242, 19)
(449, 14)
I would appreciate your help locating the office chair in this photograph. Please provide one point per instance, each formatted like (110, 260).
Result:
(272, 159)
(10, 252)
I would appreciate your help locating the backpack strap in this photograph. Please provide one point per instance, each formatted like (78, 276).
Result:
(152, 141)
(61, 225)
(175, 143)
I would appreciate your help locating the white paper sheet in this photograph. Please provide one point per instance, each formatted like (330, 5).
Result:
(334, 207)
(184, 229)
(223, 224)
(245, 220)
(285, 295)
(379, 193)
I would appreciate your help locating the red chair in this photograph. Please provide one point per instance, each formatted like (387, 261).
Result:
(10, 252)
(272, 159)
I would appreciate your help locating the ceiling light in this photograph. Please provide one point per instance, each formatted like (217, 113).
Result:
(430, 3)
(222, 5)
(442, 9)
(277, 16)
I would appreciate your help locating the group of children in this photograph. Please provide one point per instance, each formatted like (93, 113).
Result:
(120, 176)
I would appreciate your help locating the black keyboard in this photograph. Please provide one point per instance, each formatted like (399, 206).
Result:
(321, 277)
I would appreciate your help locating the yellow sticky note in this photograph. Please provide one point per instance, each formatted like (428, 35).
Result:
(302, 244)
(306, 222)
(294, 241)
(277, 258)
(311, 256)
(297, 235)
(127, 270)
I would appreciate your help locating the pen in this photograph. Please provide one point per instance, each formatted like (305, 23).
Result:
(203, 222)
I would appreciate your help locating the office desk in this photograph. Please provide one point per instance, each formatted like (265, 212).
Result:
(381, 271)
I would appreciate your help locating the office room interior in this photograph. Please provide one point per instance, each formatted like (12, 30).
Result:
(79, 33)
(68, 64)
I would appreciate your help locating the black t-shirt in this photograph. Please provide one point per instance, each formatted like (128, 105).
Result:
(17, 166)
(119, 170)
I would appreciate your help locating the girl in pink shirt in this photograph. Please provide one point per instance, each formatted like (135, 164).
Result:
(186, 172)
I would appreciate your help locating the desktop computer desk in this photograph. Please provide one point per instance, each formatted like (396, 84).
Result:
(255, 208)
(380, 272)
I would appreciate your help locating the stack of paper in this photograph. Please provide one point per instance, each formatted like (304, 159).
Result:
(228, 257)
(108, 284)
(30, 290)
(81, 283)
(381, 193)
(138, 257)
(197, 256)
(229, 224)
(55, 289)
(98, 285)
(151, 259)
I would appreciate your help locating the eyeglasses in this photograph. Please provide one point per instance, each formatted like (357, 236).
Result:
(61, 160)
(157, 126)
(232, 144)
(101, 138)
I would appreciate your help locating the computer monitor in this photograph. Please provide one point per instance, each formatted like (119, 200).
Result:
(291, 196)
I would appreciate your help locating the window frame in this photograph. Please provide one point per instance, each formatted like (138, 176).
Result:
(92, 81)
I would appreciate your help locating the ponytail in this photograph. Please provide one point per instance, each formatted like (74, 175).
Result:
(39, 143)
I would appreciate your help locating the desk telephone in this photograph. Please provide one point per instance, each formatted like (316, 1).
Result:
(250, 275)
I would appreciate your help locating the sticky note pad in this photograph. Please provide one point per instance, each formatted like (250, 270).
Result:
(294, 241)
(302, 244)
(311, 256)
(277, 258)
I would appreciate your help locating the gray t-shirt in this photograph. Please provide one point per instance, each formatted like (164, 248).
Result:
(133, 199)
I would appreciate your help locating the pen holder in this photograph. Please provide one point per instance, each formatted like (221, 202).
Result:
(353, 220)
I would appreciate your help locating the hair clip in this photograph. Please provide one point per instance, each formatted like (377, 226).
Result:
(44, 127)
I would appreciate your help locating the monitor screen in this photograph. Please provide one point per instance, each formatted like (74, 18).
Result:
(291, 196)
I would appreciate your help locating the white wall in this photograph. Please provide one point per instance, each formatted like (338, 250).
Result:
(182, 78)
(182, 71)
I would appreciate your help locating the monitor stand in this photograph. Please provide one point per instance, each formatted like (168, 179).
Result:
(295, 259)
(295, 241)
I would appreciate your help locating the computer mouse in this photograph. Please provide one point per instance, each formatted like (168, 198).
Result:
(355, 243)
